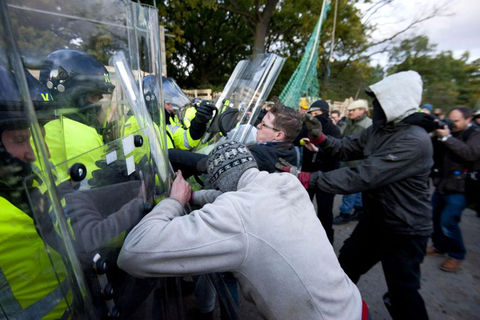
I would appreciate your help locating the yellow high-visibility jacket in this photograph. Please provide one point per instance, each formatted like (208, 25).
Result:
(31, 287)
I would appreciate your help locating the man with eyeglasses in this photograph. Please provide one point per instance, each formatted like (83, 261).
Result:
(279, 127)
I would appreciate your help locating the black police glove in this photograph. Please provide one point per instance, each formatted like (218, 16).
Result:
(205, 112)
(198, 125)
(107, 174)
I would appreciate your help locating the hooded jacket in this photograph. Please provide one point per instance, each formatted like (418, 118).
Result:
(397, 158)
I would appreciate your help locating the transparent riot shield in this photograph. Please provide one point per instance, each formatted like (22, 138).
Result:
(172, 92)
(243, 97)
(98, 164)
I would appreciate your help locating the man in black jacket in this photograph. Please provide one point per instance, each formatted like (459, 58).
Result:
(321, 161)
(457, 158)
(397, 157)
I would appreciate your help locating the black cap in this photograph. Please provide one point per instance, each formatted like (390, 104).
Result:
(319, 105)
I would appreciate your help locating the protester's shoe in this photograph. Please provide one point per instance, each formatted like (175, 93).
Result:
(187, 287)
(432, 251)
(450, 265)
(342, 218)
(357, 214)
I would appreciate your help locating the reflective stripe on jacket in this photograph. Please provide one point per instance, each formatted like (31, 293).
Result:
(29, 276)
(178, 136)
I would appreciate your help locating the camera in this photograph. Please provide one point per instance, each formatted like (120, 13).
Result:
(439, 124)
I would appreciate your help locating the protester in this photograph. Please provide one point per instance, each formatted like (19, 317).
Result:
(393, 176)
(457, 155)
(427, 108)
(358, 120)
(276, 132)
(476, 118)
(303, 106)
(262, 227)
(439, 113)
(321, 161)
(335, 116)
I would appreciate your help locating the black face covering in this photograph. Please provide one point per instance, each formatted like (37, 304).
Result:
(379, 117)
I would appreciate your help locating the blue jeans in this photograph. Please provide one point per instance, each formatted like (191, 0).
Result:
(447, 212)
(349, 201)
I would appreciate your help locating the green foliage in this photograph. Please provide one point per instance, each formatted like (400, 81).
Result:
(211, 36)
(447, 81)
(207, 43)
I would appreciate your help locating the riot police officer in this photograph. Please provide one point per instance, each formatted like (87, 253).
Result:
(23, 253)
(78, 82)
(179, 137)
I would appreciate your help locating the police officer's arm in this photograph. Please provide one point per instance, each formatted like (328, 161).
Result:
(92, 220)
(199, 123)
(404, 157)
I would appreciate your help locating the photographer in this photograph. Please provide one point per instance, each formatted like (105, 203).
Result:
(457, 160)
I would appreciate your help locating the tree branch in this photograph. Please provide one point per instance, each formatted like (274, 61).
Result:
(436, 12)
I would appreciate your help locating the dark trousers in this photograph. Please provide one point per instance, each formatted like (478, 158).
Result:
(324, 210)
(400, 255)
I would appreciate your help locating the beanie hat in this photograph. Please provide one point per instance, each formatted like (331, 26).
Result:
(428, 106)
(319, 105)
(226, 164)
(358, 104)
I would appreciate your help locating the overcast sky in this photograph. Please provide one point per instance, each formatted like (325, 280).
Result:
(458, 32)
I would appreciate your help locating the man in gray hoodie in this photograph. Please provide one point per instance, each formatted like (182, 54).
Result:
(260, 226)
(397, 156)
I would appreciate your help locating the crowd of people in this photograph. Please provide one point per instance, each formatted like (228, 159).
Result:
(254, 221)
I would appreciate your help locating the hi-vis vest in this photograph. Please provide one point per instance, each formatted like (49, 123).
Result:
(72, 140)
(29, 284)
(190, 113)
(132, 127)
(178, 137)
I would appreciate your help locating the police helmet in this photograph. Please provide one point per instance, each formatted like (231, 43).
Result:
(72, 75)
(12, 109)
(196, 102)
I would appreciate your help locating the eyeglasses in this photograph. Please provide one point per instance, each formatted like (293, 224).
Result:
(262, 124)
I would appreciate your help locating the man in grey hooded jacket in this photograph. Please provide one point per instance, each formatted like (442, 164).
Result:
(263, 228)
(397, 156)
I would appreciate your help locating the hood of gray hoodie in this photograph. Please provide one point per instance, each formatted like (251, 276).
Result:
(399, 94)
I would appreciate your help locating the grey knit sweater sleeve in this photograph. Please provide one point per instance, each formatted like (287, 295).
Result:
(165, 243)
